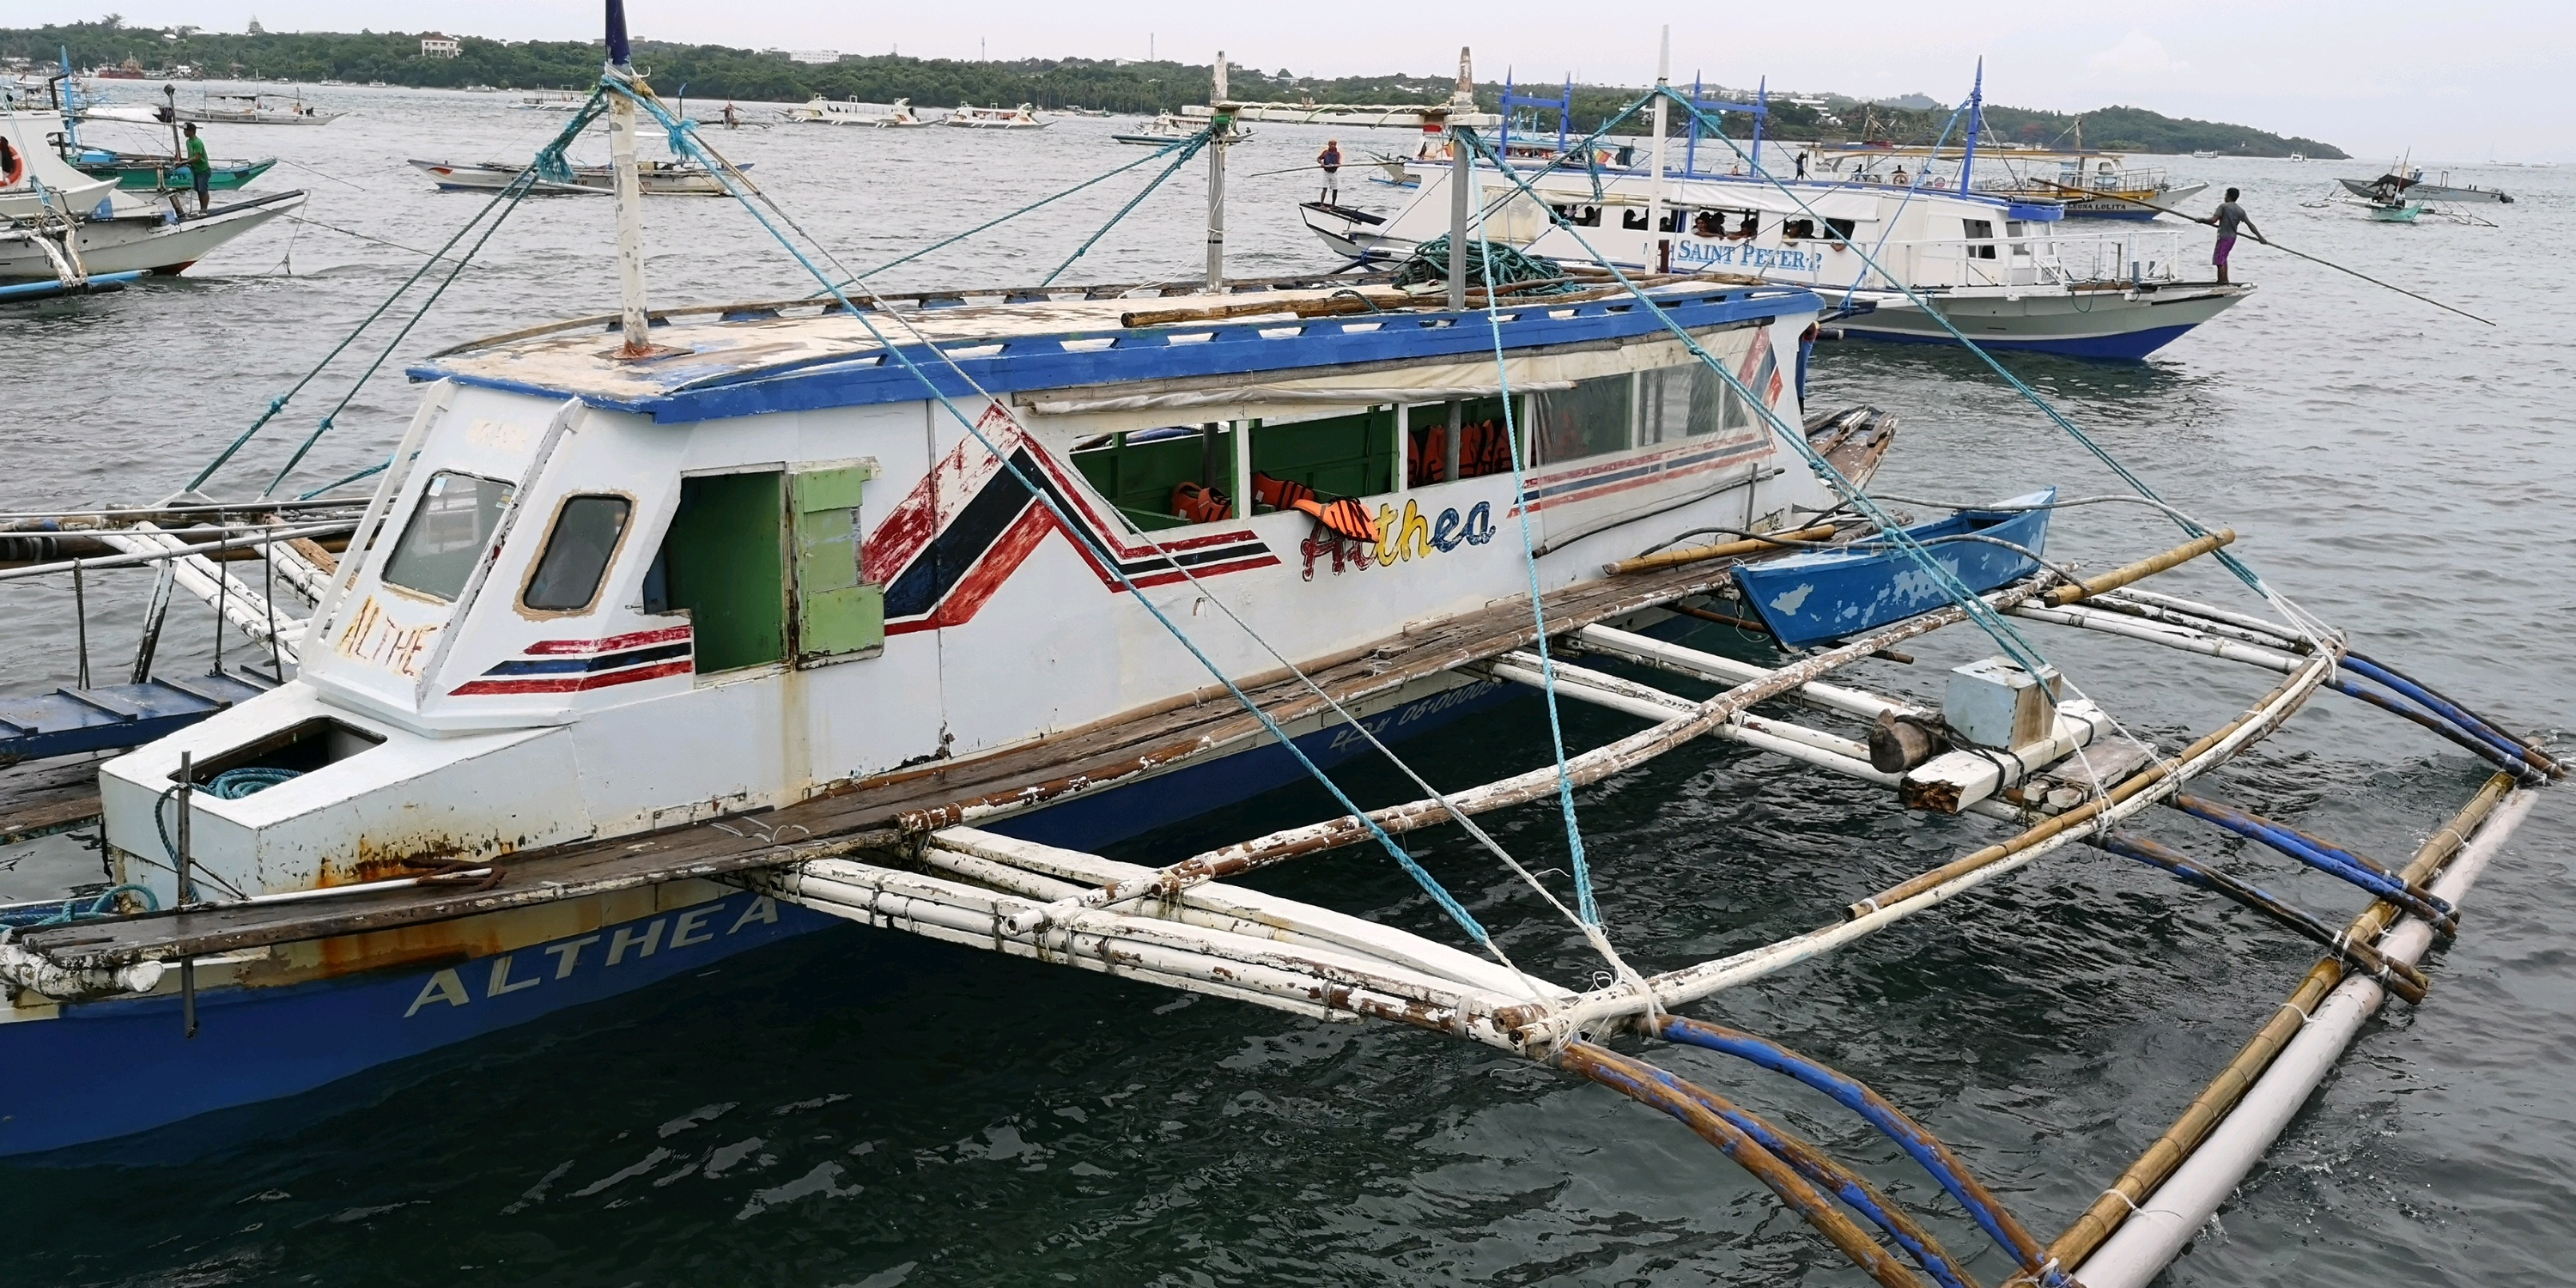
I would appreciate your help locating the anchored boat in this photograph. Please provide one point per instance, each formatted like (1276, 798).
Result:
(652, 178)
(1901, 261)
(970, 117)
(654, 646)
(62, 224)
(897, 115)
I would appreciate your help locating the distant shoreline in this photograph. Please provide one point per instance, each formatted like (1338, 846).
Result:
(715, 72)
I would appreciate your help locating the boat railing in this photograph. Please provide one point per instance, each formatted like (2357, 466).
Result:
(2035, 259)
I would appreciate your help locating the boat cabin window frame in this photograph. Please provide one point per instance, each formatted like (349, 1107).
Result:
(598, 576)
(1980, 236)
(434, 493)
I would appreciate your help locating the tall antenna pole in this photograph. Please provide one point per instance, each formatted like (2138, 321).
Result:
(1976, 119)
(630, 213)
(1221, 131)
(1462, 176)
(1662, 249)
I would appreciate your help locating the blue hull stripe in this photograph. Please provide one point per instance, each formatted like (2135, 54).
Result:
(2130, 345)
(109, 1069)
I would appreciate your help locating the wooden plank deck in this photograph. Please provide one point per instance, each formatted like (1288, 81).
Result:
(881, 811)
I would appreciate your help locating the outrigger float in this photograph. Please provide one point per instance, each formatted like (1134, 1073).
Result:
(666, 635)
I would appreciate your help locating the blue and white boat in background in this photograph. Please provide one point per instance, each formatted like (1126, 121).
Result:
(1809, 599)
(1888, 250)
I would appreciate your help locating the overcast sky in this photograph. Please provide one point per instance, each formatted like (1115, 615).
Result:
(2453, 81)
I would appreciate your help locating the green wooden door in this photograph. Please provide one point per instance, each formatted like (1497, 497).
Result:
(839, 615)
(724, 566)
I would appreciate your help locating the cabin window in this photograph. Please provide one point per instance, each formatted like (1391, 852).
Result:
(1587, 216)
(1484, 441)
(1842, 228)
(1152, 476)
(1633, 220)
(722, 563)
(1708, 223)
(1980, 230)
(448, 533)
(577, 554)
(1587, 420)
(1797, 229)
(1676, 402)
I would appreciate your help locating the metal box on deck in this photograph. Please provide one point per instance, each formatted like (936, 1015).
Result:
(1996, 702)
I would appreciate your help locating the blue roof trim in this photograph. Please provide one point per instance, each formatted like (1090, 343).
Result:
(1042, 361)
(2047, 212)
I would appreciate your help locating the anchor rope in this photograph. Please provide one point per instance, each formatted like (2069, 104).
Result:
(1104, 557)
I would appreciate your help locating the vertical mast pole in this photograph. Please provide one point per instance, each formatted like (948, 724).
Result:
(1658, 249)
(630, 198)
(1462, 178)
(1976, 117)
(1761, 113)
(1223, 131)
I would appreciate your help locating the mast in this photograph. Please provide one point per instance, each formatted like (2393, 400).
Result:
(1655, 183)
(1761, 113)
(630, 214)
(1976, 118)
(1219, 133)
(1462, 176)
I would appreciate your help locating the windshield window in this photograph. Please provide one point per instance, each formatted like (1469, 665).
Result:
(448, 531)
(577, 553)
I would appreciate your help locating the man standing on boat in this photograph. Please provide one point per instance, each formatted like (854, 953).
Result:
(1330, 162)
(2226, 221)
(201, 171)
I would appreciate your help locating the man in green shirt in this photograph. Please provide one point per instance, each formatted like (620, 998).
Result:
(201, 170)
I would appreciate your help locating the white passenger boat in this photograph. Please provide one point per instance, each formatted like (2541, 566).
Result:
(897, 115)
(970, 117)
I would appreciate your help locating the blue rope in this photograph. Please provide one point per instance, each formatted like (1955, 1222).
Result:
(1975, 607)
(103, 904)
(834, 288)
(233, 784)
(1585, 905)
(1180, 159)
(1107, 559)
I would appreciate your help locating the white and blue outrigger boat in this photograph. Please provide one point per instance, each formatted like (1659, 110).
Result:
(1923, 260)
(666, 635)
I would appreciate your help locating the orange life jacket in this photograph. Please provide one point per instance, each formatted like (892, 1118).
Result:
(1200, 504)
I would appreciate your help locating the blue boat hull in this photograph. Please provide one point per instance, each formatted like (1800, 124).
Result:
(1828, 595)
(2128, 346)
(103, 1070)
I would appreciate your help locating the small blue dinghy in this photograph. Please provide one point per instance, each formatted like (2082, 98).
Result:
(1806, 599)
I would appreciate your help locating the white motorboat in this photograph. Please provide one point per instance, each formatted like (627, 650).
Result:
(969, 117)
(653, 178)
(1170, 127)
(897, 115)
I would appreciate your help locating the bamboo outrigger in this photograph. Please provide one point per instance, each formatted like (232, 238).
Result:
(279, 899)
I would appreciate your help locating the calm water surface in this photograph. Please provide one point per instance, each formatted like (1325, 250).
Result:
(863, 1109)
